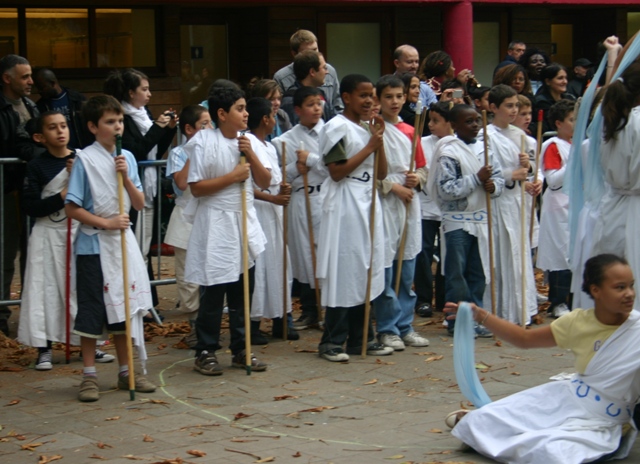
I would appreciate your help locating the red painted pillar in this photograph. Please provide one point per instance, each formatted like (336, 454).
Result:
(458, 34)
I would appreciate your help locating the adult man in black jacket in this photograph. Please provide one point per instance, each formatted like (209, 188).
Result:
(16, 110)
(67, 101)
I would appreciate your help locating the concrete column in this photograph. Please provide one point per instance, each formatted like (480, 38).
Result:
(458, 34)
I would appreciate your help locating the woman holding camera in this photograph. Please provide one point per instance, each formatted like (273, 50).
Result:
(145, 138)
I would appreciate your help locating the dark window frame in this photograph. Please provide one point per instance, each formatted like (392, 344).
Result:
(159, 70)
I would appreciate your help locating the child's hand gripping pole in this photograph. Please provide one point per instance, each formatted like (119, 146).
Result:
(489, 218)
(245, 272)
(307, 203)
(125, 278)
(523, 241)
(418, 126)
(536, 167)
(285, 224)
(372, 229)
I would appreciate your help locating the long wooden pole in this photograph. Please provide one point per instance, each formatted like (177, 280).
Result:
(245, 272)
(312, 242)
(285, 226)
(535, 174)
(67, 294)
(125, 279)
(523, 241)
(372, 230)
(418, 125)
(492, 271)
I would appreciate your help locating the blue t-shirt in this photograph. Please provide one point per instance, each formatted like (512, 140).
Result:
(176, 161)
(79, 192)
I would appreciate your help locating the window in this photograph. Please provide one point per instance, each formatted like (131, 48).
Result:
(77, 38)
(8, 31)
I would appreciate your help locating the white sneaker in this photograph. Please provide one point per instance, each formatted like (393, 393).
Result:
(44, 361)
(102, 357)
(413, 339)
(561, 310)
(392, 341)
(335, 355)
(540, 298)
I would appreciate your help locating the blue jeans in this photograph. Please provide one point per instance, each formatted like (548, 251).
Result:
(394, 314)
(464, 275)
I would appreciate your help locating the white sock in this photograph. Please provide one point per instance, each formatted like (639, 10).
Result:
(90, 371)
(123, 371)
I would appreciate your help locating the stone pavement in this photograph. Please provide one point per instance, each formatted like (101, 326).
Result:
(302, 410)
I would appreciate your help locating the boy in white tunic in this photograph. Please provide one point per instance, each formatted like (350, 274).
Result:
(192, 119)
(92, 199)
(344, 242)
(553, 247)
(459, 179)
(394, 313)
(302, 141)
(214, 253)
(506, 141)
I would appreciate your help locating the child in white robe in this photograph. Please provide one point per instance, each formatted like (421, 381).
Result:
(268, 293)
(303, 157)
(553, 247)
(214, 253)
(507, 141)
(344, 242)
(192, 119)
(93, 200)
(585, 418)
(401, 208)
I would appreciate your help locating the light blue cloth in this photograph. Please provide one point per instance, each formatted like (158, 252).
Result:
(593, 188)
(175, 162)
(574, 179)
(464, 359)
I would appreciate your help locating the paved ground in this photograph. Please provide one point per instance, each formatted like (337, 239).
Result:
(302, 410)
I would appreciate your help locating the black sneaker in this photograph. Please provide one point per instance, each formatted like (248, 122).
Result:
(276, 331)
(424, 310)
(304, 322)
(207, 364)
(335, 355)
(257, 338)
(239, 361)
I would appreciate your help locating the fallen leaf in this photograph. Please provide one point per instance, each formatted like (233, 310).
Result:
(162, 346)
(147, 438)
(103, 445)
(155, 401)
(269, 459)
(305, 351)
(241, 440)
(558, 354)
(97, 456)
(396, 456)
(30, 446)
(371, 382)
(133, 458)
(241, 415)
(498, 343)
(397, 381)
(481, 366)
(12, 402)
(11, 369)
(387, 363)
(297, 455)
(46, 459)
(434, 431)
(433, 358)
(424, 353)
(515, 373)
(285, 397)
(197, 453)
(112, 418)
(317, 409)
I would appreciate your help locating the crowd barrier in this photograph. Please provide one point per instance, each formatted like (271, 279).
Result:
(158, 280)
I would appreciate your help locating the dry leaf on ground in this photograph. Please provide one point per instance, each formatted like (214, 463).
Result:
(197, 453)
(46, 459)
(371, 382)
(147, 438)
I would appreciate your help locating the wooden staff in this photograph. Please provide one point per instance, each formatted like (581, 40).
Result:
(245, 272)
(372, 229)
(535, 174)
(523, 250)
(125, 278)
(418, 126)
(67, 294)
(492, 271)
(307, 202)
(285, 225)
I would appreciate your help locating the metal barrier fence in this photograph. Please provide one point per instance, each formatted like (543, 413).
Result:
(3, 224)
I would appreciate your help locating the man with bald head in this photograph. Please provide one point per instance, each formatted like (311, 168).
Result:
(406, 60)
(67, 101)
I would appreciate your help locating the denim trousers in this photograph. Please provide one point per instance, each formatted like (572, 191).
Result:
(394, 313)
